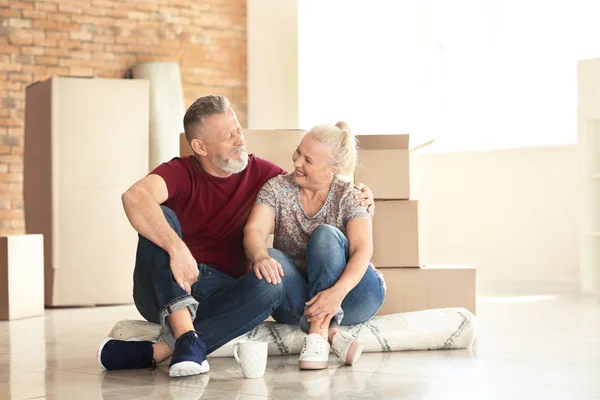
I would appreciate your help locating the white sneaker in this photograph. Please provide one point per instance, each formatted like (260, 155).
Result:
(346, 347)
(315, 353)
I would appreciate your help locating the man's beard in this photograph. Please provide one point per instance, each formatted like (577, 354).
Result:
(232, 166)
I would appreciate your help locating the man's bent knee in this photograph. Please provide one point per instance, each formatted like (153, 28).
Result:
(268, 292)
(172, 219)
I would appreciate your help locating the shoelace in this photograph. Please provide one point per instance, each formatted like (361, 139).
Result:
(313, 341)
(188, 339)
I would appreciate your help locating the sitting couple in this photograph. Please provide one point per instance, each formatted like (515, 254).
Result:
(203, 270)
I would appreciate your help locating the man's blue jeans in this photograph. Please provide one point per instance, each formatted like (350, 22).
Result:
(327, 255)
(222, 307)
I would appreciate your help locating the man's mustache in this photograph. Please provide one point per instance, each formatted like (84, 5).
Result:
(237, 151)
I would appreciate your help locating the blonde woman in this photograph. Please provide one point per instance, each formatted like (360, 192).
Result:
(322, 248)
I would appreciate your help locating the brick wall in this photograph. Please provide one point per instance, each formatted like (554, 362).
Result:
(104, 38)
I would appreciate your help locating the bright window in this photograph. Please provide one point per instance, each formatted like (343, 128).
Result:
(474, 74)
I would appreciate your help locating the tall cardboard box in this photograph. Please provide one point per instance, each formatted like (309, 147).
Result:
(384, 164)
(435, 286)
(396, 234)
(276, 145)
(86, 142)
(21, 276)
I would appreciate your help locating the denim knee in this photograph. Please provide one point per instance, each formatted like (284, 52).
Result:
(325, 236)
(271, 295)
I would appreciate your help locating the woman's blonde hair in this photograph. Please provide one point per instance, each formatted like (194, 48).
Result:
(342, 144)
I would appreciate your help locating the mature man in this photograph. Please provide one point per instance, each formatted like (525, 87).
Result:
(191, 273)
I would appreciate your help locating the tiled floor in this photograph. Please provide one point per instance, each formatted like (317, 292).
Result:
(529, 347)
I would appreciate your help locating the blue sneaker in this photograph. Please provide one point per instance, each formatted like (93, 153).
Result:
(189, 357)
(122, 354)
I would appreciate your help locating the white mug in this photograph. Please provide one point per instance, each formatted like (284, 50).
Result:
(252, 357)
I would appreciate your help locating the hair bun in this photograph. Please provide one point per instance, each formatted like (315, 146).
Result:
(343, 126)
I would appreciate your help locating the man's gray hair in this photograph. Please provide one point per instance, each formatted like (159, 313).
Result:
(203, 107)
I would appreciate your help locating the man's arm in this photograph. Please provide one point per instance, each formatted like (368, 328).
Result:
(142, 206)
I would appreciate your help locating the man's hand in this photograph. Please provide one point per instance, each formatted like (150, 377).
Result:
(324, 305)
(184, 267)
(365, 197)
(268, 268)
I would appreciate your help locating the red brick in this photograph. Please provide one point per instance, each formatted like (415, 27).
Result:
(32, 50)
(181, 3)
(148, 40)
(58, 17)
(11, 177)
(78, 35)
(8, 12)
(69, 44)
(104, 39)
(69, 62)
(117, 13)
(10, 67)
(93, 47)
(45, 6)
(46, 60)
(138, 15)
(66, 8)
(20, 37)
(191, 13)
(137, 48)
(19, 23)
(95, 11)
(103, 4)
(47, 42)
(58, 51)
(13, 83)
(21, 5)
(17, 167)
(35, 69)
(147, 7)
(57, 35)
(81, 55)
(11, 159)
(126, 39)
(104, 56)
(116, 48)
(57, 71)
(56, 25)
(35, 14)
(17, 150)
(16, 77)
(79, 71)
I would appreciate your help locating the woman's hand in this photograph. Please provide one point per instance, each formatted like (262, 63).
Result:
(324, 305)
(268, 268)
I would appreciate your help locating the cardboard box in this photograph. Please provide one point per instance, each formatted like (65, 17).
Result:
(396, 233)
(21, 276)
(277, 145)
(86, 142)
(184, 146)
(434, 286)
(384, 165)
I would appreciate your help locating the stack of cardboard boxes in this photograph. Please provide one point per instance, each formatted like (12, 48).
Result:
(384, 166)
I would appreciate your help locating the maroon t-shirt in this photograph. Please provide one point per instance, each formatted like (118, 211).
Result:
(213, 211)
